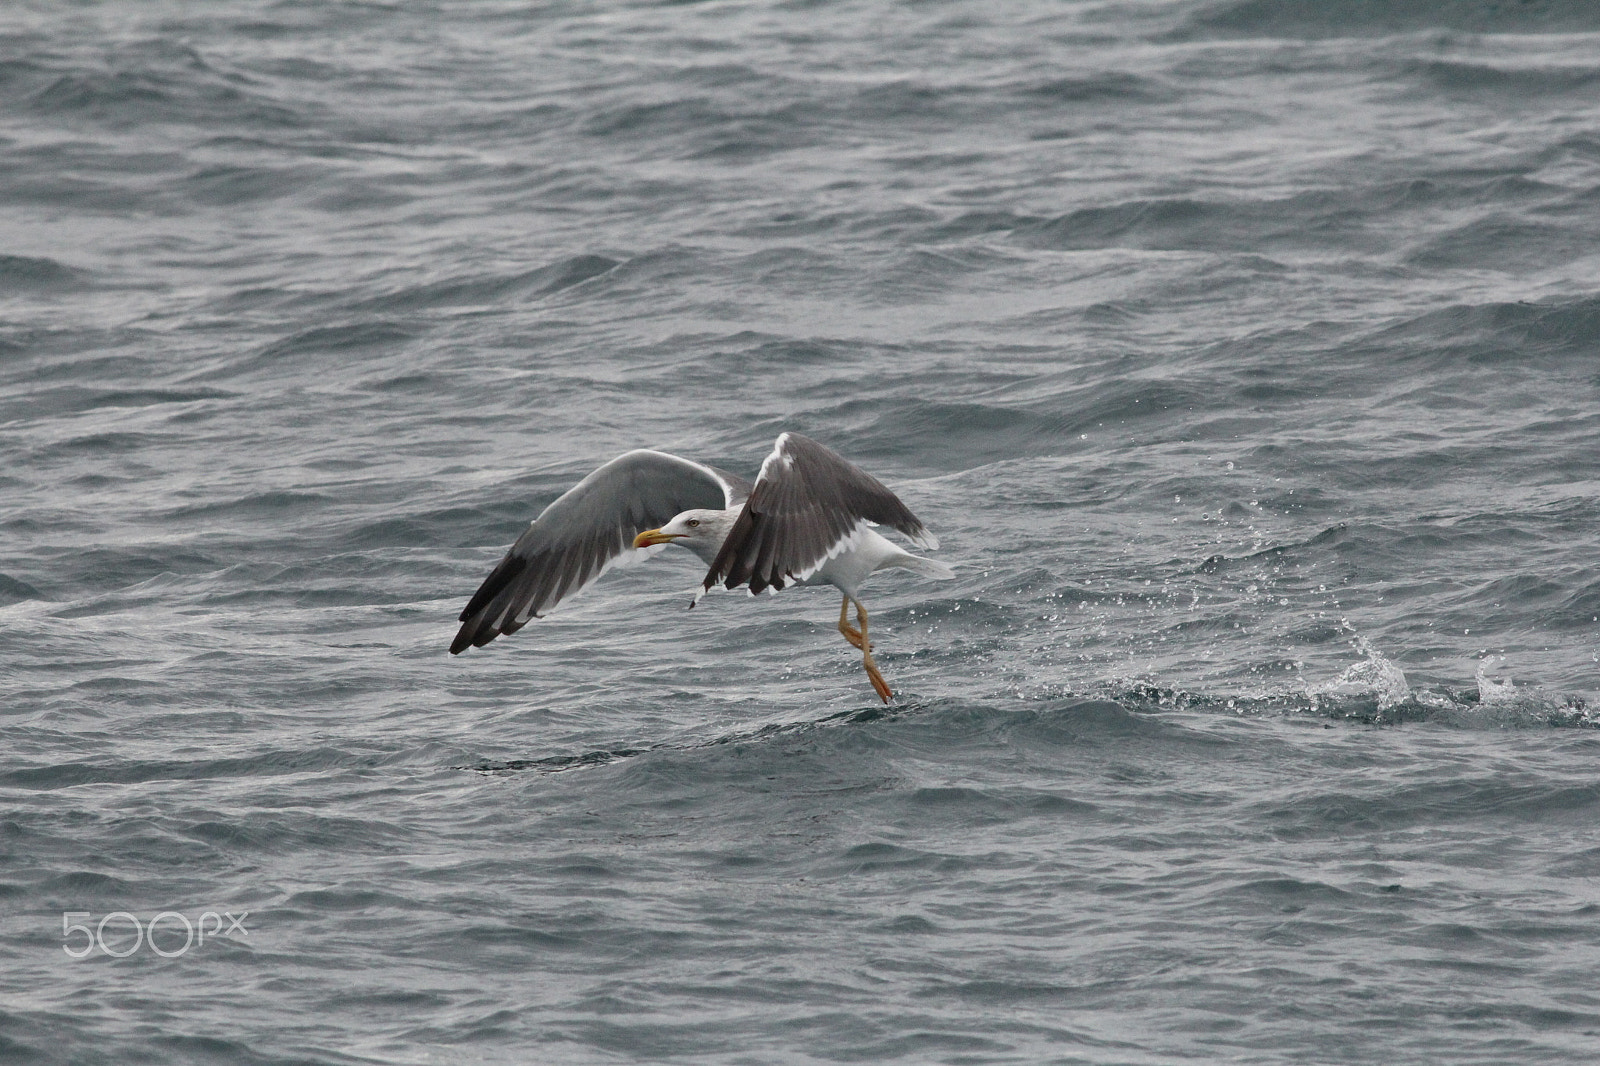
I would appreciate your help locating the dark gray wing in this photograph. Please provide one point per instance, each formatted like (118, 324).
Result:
(586, 531)
(807, 504)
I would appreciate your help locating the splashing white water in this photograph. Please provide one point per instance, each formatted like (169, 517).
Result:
(1376, 675)
(1493, 690)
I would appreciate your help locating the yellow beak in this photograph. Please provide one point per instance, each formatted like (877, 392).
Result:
(654, 536)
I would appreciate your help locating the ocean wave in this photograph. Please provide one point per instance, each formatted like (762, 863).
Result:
(1369, 18)
(155, 81)
(38, 273)
(495, 289)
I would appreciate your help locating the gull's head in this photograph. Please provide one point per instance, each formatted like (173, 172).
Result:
(697, 530)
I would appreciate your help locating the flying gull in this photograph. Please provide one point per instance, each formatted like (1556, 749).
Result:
(807, 520)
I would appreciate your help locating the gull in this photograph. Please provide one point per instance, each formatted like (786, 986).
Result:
(808, 519)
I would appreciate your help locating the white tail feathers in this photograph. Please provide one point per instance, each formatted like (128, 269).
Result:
(925, 567)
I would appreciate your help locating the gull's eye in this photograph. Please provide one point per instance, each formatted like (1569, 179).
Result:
(694, 522)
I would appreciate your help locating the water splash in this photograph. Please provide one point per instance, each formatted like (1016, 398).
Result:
(1376, 676)
(1493, 690)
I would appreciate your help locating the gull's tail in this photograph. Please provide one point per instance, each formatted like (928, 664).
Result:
(925, 567)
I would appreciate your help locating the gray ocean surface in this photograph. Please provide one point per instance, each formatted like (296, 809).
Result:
(1244, 354)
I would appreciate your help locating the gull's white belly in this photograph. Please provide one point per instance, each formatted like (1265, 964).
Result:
(847, 570)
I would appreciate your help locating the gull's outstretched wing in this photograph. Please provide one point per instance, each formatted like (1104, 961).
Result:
(586, 531)
(808, 505)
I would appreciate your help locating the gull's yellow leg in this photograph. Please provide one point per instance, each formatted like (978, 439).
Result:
(851, 633)
(879, 685)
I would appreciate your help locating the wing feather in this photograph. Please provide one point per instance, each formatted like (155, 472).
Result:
(805, 507)
(585, 532)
